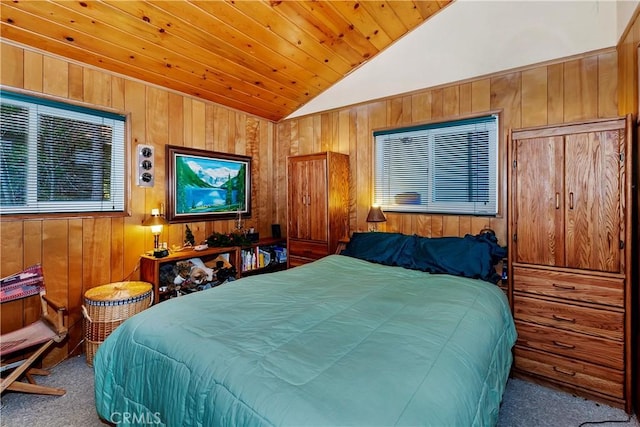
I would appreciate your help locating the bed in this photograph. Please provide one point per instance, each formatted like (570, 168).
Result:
(370, 337)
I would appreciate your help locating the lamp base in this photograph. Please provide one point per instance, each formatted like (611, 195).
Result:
(160, 253)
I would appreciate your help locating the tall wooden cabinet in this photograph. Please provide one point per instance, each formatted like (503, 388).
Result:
(318, 205)
(570, 257)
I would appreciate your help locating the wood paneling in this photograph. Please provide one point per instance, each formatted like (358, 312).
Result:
(80, 253)
(607, 85)
(534, 97)
(578, 88)
(581, 89)
(627, 68)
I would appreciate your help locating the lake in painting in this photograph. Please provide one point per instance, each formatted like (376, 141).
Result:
(209, 185)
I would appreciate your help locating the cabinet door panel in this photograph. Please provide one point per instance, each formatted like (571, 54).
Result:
(592, 200)
(298, 199)
(318, 226)
(538, 206)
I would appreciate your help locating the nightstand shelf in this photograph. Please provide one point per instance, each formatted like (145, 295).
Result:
(150, 266)
(263, 256)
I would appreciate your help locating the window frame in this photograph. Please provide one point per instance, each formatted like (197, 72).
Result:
(92, 114)
(437, 207)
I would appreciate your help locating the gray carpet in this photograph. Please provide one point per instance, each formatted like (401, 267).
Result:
(524, 404)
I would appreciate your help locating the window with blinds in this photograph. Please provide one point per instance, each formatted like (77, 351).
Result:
(59, 158)
(446, 167)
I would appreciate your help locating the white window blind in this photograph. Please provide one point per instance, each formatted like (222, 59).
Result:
(446, 167)
(59, 158)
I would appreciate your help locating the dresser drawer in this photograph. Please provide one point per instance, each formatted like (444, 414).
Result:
(307, 249)
(579, 287)
(574, 373)
(295, 261)
(572, 345)
(592, 321)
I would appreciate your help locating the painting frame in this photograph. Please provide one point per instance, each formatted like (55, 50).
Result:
(201, 187)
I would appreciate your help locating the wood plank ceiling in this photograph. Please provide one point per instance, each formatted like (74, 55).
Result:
(266, 58)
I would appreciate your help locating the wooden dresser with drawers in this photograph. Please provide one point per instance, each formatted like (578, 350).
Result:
(570, 257)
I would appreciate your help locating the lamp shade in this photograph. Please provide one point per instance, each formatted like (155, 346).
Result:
(376, 214)
(154, 220)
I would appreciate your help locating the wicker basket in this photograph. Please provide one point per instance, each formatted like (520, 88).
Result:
(107, 306)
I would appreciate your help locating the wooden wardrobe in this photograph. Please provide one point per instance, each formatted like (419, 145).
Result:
(570, 257)
(317, 205)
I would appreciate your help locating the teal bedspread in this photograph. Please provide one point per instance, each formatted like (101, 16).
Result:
(340, 341)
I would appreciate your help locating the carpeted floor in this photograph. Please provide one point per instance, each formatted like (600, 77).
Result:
(524, 404)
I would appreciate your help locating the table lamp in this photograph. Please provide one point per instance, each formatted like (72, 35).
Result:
(375, 216)
(156, 221)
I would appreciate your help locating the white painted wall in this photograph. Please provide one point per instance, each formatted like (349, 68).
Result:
(472, 38)
(626, 9)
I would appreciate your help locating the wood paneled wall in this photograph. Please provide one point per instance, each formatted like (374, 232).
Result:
(628, 68)
(83, 252)
(80, 253)
(579, 88)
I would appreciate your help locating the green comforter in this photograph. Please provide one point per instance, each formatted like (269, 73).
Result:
(340, 341)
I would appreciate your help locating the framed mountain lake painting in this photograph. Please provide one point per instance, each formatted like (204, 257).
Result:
(207, 185)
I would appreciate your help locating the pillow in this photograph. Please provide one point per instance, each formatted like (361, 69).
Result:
(378, 247)
(468, 256)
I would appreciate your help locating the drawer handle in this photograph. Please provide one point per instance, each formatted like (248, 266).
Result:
(562, 371)
(563, 345)
(563, 319)
(564, 287)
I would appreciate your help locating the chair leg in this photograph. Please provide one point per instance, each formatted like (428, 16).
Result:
(35, 388)
(38, 371)
(13, 376)
(35, 371)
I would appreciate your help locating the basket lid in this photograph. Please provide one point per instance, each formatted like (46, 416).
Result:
(117, 291)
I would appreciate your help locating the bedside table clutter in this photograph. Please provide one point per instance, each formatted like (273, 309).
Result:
(162, 272)
(190, 270)
(264, 256)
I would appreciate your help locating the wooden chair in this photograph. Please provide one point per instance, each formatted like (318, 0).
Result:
(36, 337)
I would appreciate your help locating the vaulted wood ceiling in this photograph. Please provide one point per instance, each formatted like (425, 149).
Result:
(266, 58)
